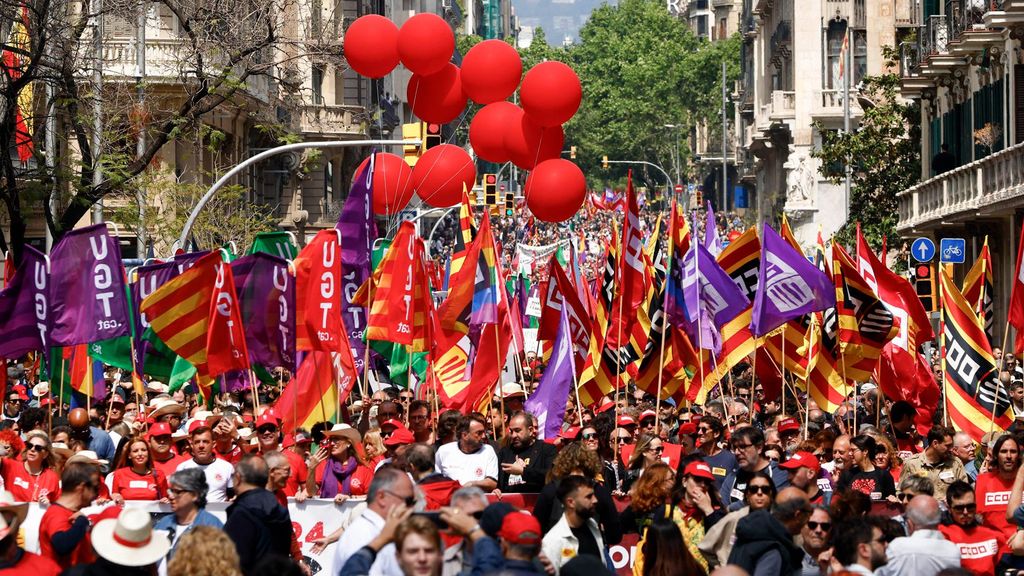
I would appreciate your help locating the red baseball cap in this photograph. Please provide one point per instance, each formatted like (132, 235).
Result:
(699, 469)
(606, 407)
(802, 460)
(198, 425)
(159, 429)
(570, 433)
(399, 437)
(688, 428)
(625, 421)
(392, 422)
(789, 425)
(267, 419)
(648, 414)
(520, 528)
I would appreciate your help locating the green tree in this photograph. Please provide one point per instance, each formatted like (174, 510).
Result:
(885, 149)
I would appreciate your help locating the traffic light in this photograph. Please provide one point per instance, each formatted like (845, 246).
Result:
(604, 162)
(510, 203)
(924, 283)
(431, 136)
(411, 132)
(490, 189)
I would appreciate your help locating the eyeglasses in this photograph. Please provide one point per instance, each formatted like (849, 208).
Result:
(33, 447)
(741, 446)
(624, 440)
(589, 436)
(410, 501)
(964, 508)
(759, 489)
(657, 450)
(14, 400)
(175, 492)
(904, 497)
(825, 526)
(388, 434)
(703, 429)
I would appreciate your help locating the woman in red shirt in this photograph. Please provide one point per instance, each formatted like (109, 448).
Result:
(32, 479)
(134, 477)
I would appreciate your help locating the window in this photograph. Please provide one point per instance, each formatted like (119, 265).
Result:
(329, 182)
(835, 39)
(318, 85)
(702, 26)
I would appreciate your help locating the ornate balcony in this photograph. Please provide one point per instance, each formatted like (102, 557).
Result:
(334, 121)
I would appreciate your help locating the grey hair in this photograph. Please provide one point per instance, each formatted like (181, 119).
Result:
(383, 480)
(275, 458)
(468, 493)
(191, 480)
(923, 520)
(917, 484)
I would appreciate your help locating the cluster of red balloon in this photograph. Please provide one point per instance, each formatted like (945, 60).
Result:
(530, 137)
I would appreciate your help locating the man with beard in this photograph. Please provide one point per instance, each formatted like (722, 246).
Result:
(859, 546)
(576, 533)
(815, 536)
(992, 489)
(469, 460)
(710, 436)
(841, 456)
(979, 545)
(803, 468)
(926, 550)
(524, 461)
(937, 462)
(748, 447)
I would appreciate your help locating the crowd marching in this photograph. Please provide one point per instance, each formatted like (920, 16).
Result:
(718, 465)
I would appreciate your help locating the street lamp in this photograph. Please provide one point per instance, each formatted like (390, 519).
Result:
(675, 157)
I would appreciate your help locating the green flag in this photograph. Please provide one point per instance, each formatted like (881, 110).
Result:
(274, 243)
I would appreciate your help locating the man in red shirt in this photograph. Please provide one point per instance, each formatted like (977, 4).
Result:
(225, 429)
(13, 559)
(979, 545)
(992, 489)
(268, 432)
(164, 459)
(64, 530)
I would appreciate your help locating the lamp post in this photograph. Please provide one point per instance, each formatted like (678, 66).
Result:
(675, 157)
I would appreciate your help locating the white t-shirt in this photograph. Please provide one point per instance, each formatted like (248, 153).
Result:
(466, 468)
(218, 476)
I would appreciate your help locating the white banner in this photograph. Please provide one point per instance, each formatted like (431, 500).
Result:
(313, 519)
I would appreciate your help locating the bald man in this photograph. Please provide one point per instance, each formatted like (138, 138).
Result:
(764, 541)
(926, 550)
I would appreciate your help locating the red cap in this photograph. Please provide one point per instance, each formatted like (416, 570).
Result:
(699, 469)
(648, 414)
(606, 407)
(520, 528)
(198, 425)
(789, 425)
(159, 429)
(688, 428)
(802, 460)
(46, 402)
(570, 433)
(392, 422)
(267, 419)
(625, 421)
(399, 437)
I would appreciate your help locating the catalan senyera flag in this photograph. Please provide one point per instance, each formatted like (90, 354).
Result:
(865, 324)
(978, 289)
(824, 385)
(179, 314)
(973, 399)
(593, 382)
(311, 396)
(402, 308)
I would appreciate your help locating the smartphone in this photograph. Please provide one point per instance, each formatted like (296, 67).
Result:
(435, 517)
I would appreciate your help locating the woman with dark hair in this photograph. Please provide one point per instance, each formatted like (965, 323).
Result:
(668, 553)
(863, 476)
(718, 540)
(335, 468)
(576, 460)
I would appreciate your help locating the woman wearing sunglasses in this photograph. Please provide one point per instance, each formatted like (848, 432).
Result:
(647, 452)
(32, 479)
(717, 543)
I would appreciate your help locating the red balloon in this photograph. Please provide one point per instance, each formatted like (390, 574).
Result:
(528, 144)
(425, 43)
(391, 184)
(491, 71)
(487, 130)
(437, 98)
(551, 93)
(440, 174)
(371, 46)
(555, 190)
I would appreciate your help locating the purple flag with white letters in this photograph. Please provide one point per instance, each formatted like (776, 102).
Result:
(23, 307)
(358, 231)
(87, 288)
(547, 403)
(711, 240)
(706, 298)
(266, 293)
(788, 285)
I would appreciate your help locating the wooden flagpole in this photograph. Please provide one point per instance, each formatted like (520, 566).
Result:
(782, 370)
(807, 377)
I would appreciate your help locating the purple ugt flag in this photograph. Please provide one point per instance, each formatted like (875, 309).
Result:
(23, 307)
(788, 285)
(547, 402)
(266, 293)
(710, 298)
(358, 231)
(87, 288)
(711, 240)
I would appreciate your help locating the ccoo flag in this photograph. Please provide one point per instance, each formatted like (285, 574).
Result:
(87, 288)
(23, 307)
(788, 286)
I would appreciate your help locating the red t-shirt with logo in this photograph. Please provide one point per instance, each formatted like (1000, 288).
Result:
(232, 456)
(55, 520)
(359, 484)
(133, 486)
(299, 473)
(907, 447)
(169, 466)
(993, 496)
(979, 547)
(26, 487)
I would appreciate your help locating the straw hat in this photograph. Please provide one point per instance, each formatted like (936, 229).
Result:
(86, 456)
(166, 406)
(129, 539)
(343, 430)
(8, 504)
(41, 389)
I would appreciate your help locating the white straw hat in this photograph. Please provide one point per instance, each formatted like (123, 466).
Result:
(129, 539)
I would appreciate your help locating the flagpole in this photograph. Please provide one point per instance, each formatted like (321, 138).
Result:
(501, 397)
(60, 400)
(664, 311)
(782, 370)
(942, 352)
(807, 376)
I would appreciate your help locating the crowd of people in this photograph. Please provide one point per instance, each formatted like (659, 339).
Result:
(743, 484)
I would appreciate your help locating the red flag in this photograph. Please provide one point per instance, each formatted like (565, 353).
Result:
(1016, 313)
(402, 308)
(633, 276)
(318, 324)
(310, 396)
(901, 378)
(226, 348)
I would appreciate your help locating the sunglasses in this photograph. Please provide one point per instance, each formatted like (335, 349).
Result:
(589, 436)
(624, 440)
(741, 446)
(703, 429)
(965, 508)
(410, 501)
(175, 492)
(759, 489)
(904, 497)
(657, 450)
(825, 526)
(33, 447)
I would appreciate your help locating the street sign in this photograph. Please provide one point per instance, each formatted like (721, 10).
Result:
(923, 249)
(952, 250)
(679, 188)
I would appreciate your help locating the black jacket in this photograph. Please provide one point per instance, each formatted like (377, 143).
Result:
(259, 526)
(760, 534)
(539, 457)
(103, 567)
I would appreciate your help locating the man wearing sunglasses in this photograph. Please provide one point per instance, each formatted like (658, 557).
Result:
(710, 436)
(979, 545)
(815, 535)
(13, 405)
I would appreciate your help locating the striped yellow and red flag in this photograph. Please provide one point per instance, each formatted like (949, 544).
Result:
(311, 396)
(595, 381)
(973, 402)
(865, 325)
(978, 289)
(824, 385)
(402, 308)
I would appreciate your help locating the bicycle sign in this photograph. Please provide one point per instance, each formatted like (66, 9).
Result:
(952, 250)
